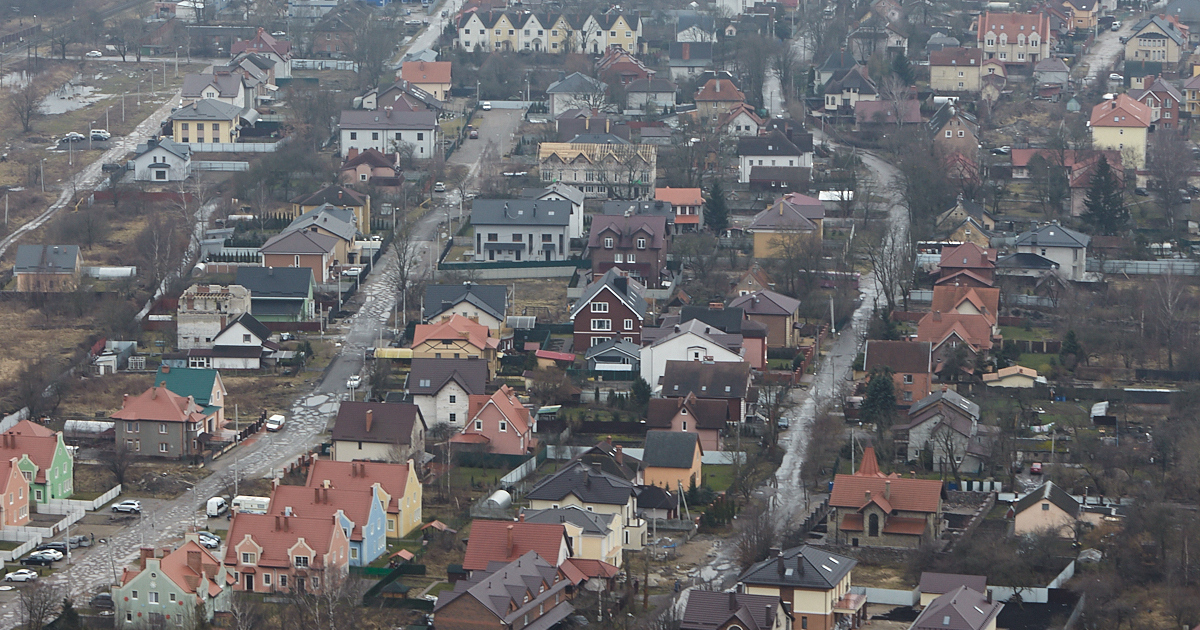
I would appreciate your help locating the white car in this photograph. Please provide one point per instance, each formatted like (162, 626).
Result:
(353, 382)
(53, 554)
(100, 134)
(486, 106)
(1115, 77)
(94, 54)
(352, 272)
(21, 575)
(131, 506)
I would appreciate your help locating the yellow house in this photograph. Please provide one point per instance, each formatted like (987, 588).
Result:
(792, 215)
(593, 536)
(672, 460)
(1015, 376)
(1191, 91)
(1155, 39)
(339, 197)
(934, 585)
(456, 338)
(1046, 509)
(400, 489)
(1121, 124)
(207, 120)
(431, 76)
(963, 608)
(813, 582)
(955, 69)
(1084, 13)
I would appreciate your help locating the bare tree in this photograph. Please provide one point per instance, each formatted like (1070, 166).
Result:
(158, 246)
(1170, 164)
(1171, 309)
(38, 603)
(119, 463)
(550, 386)
(796, 259)
(24, 104)
(892, 260)
(895, 91)
(948, 451)
(756, 535)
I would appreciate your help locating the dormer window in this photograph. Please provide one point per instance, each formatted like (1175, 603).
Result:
(301, 561)
(608, 242)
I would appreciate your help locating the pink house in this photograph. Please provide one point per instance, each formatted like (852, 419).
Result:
(499, 424)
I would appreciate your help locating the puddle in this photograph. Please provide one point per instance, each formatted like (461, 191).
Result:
(13, 80)
(68, 98)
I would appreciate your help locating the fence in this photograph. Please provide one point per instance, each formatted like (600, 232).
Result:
(75, 504)
(216, 165)
(324, 64)
(890, 596)
(12, 419)
(1146, 267)
(520, 472)
(10, 555)
(514, 270)
(925, 296)
(234, 147)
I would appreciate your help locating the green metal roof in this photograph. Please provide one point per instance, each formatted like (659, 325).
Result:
(194, 382)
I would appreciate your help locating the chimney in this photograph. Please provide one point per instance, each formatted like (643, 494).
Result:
(166, 369)
(620, 455)
(370, 419)
(510, 540)
(867, 495)
(718, 88)
(937, 316)
(521, 517)
(277, 523)
(193, 560)
(286, 526)
(325, 495)
(146, 552)
(945, 387)
(716, 306)
(779, 565)
(989, 596)
(316, 495)
(887, 490)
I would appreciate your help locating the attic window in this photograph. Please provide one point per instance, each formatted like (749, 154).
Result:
(946, 620)
(789, 572)
(676, 388)
(425, 382)
(704, 388)
(683, 411)
(978, 610)
(726, 389)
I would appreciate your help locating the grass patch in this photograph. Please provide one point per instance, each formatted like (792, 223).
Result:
(86, 496)
(439, 587)
(1039, 362)
(718, 477)
(9, 545)
(1018, 333)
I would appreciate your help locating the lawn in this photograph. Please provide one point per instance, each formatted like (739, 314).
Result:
(718, 477)
(1039, 362)
(1018, 333)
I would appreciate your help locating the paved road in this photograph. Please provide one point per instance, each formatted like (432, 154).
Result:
(1104, 52)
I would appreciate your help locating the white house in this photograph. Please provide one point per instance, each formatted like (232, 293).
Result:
(741, 121)
(244, 344)
(162, 160)
(695, 27)
(1064, 246)
(655, 92)
(576, 91)
(772, 150)
(222, 85)
(693, 340)
(389, 131)
(559, 191)
(440, 388)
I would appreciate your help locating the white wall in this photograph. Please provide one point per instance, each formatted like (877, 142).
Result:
(385, 141)
(654, 358)
(437, 409)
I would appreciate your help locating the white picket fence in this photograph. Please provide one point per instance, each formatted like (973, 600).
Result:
(30, 540)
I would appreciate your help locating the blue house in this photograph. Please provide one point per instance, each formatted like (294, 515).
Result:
(360, 514)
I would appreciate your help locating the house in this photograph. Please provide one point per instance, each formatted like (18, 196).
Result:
(813, 583)
(688, 204)
(779, 313)
(302, 249)
(389, 131)
(1121, 124)
(1048, 508)
(585, 485)
(960, 609)
(610, 307)
(732, 321)
(498, 424)
(488, 30)
(206, 120)
(258, 77)
(672, 459)
(653, 94)
(520, 229)
(431, 76)
(619, 67)
(377, 431)
(741, 121)
(1051, 71)
(335, 196)
(884, 113)
(14, 495)
(279, 294)
(836, 64)
(714, 610)
(947, 425)
(695, 27)
(615, 355)
(964, 209)
(1013, 376)
(559, 191)
(716, 97)
(162, 160)
(279, 51)
(1064, 246)
(689, 59)
(370, 168)
(173, 424)
(644, 208)
(954, 132)
(526, 588)
(689, 341)
(955, 70)
(400, 491)
(576, 90)
(635, 244)
(1084, 13)
(873, 34)
(600, 169)
(774, 149)
(485, 304)
(611, 458)
(966, 300)
(846, 89)
(947, 332)
(592, 536)
(1164, 100)
(456, 338)
(47, 268)
(244, 344)
(360, 514)
(933, 585)
(968, 265)
(272, 553)
(440, 388)
(339, 223)
(41, 458)
(655, 503)
(911, 364)
(201, 385)
(1157, 38)
(791, 216)
(755, 279)
(189, 575)
(1019, 38)
(505, 541)
(1191, 90)
(727, 382)
(870, 509)
(221, 85)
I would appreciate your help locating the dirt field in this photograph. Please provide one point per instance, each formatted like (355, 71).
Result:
(34, 335)
(545, 298)
(880, 577)
(152, 478)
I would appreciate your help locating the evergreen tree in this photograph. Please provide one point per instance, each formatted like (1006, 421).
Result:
(1104, 208)
(68, 618)
(879, 405)
(716, 210)
(1071, 351)
(641, 393)
(902, 69)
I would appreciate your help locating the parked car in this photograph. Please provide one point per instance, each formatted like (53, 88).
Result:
(21, 575)
(275, 422)
(73, 137)
(352, 272)
(1116, 25)
(102, 600)
(100, 134)
(1141, 192)
(486, 106)
(94, 54)
(784, 423)
(1035, 468)
(286, 336)
(474, 135)
(439, 187)
(56, 546)
(354, 381)
(130, 506)
(1115, 77)
(37, 559)
(209, 543)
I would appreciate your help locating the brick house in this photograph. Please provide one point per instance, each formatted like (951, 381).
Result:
(528, 591)
(302, 249)
(612, 306)
(275, 554)
(14, 495)
(714, 610)
(499, 424)
(378, 431)
(707, 418)
(813, 583)
(637, 244)
(871, 509)
(911, 363)
(505, 541)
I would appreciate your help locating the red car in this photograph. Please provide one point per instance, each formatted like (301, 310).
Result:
(1035, 468)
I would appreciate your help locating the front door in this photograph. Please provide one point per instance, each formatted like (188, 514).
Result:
(249, 581)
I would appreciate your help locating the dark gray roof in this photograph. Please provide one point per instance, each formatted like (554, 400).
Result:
(951, 397)
(253, 325)
(275, 282)
(652, 208)
(46, 259)
(652, 85)
(567, 191)
(941, 583)
(598, 138)
(800, 567)
(774, 144)
(299, 242)
(716, 609)
(207, 109)
(620, 285)
(1051, 492)
(670, 449)
(577, 83)
(841, 60)
(1025, 261)
(1166, 27)
(616, 344)
(947, 112)
(684, 54)
(729, 320)
(490, 298)
(178, 149)
(375, 119)
(502, 589)
(591, 522)
(391, 423)
(960, 609)
(656, 498)
(582, 480)
(329, 218)
(1053, 235)
(520, 212)
(706, 380)
(610, 458)
(227, 84)
(429, 376)
(1188, 11)
(704, 22)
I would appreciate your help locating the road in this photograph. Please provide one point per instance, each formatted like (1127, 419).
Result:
(1104, 52)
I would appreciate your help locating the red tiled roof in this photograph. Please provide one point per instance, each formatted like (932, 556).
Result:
(277, 535)
(852, 523)
(506, 401)
(1122, 111)
(324, 503)
(935, 327)
(393, 478)
(426, 71)
(572, 572)
(720, 90)
(454, 328)
(1014, 24)
(907, 495)
(554, 356)
(34, 440)
(906, 526)
(948, 297)
(680, 196)
(971, 256)
(958, 278)
(592, 568)
(159, 404)
(956, 57)
(489, 541)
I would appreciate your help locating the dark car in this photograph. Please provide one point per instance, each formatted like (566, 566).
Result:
(1141, 192)
(36, 560)
(57, 546)
(102, 600)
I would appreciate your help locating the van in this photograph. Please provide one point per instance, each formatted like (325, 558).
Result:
(250, 505)
(275, 422)
(216, 507)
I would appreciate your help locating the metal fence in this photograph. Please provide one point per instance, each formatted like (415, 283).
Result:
(925, 296)
(233, 167)
(234, 147)
(1146, 267)
(324, 64)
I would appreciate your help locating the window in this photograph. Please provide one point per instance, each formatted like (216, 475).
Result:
(316, 582)
(618, 258)
(453, 399)
(599, 307)
(133, 595)
(547, 238)
(601, 324)
(908, 378)
(131, 427)
(466, 31)
(874, 525)
(283, 578)
(248, 558)
(160, 175)
(163, 447)
(493, 237)
(479, 425)
(216, 127)
(804, 623)
(162, 427)
(354, 135)
(374, 135)
(629, 324)
(453, 418)
(629, 258)
(599, 340)
(353, 553)
(266, 579)
(153, 597)
(420, 135)
(129, 617)
(184, 126)
(949, 134)
(37, 494)
(608, 242)
(907, 396)
(961, 133)
(1045, 507)
(503, 426)
(301, 561)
